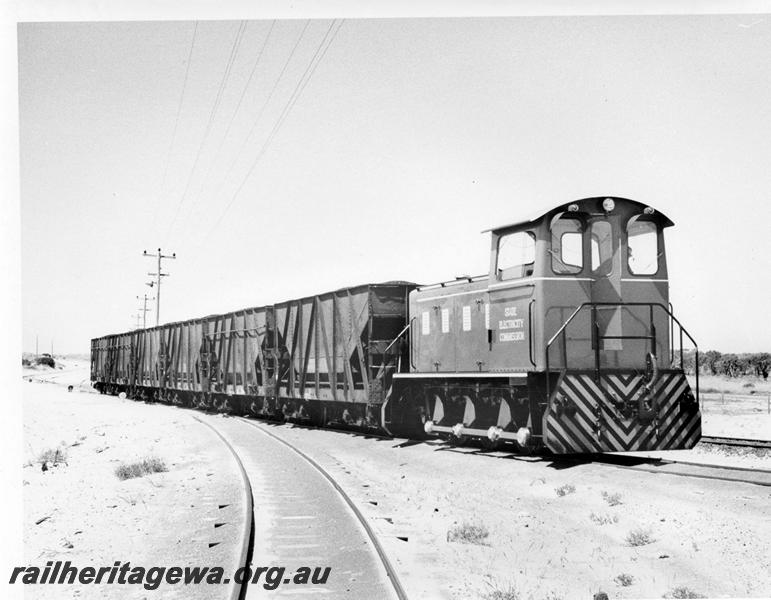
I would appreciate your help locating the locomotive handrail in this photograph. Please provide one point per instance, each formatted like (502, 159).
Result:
(596, 337)
(396, 339)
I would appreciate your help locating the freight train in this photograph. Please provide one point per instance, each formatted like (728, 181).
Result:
(567, 344)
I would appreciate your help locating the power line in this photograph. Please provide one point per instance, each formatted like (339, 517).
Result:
(179, 106)
(233, 116)
(262, 109)
(301, 84)
(176, 119)
(212, 115)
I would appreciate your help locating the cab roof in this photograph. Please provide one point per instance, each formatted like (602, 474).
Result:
(585, 205)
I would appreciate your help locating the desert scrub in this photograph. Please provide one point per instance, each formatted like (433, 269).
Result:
(612, 499)
(639, 537)
(54, 456)
(566, 489)
(624, 579)
(501, 593)
(603, 519)
(683, 592)
(468, 534)
(140, 468)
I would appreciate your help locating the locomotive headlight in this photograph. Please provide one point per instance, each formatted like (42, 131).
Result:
(428, 427)
(608, 204)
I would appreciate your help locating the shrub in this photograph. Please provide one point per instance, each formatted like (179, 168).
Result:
(53, 455)
(624, 579)
(683, 592)
(45, 360)
(140, 468)
(603, 519)
(566, 489)
(508, 593)
(468, 534)
(612, 499)
(639, 537)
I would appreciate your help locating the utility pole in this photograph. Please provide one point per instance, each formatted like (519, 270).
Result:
(36, 352)
(144, 310)
(159, 274)
(138, 317)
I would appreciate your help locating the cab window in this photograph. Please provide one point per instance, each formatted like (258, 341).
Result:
(516, 255)
(567, 254)
(642, 248)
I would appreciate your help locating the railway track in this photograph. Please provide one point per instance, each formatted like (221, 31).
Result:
(735, 442)
(760, 477)
(237, 591)
(298, 515)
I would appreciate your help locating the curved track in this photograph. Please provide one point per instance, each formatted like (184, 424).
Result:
(237, 590)
(392, 576)
(302, 517)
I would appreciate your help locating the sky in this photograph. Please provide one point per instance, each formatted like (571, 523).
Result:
(282, 158)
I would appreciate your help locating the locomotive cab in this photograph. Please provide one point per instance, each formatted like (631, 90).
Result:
(603, 257)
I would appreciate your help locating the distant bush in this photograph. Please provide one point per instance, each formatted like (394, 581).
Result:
(508, 593)
(603, 519)
(683, 592)
(468, 534)
(624, 579)
(566, 489)
(612, 499)
(55, 456)
(47, 360)
(639, 537)
(140, 468)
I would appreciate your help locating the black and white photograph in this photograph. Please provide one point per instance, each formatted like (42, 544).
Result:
(396, 301)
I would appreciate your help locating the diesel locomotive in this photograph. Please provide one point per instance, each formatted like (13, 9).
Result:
(568, 343)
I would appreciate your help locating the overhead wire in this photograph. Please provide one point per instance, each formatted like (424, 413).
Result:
(262, 109)
(212, 115)
(299, 88)
(235, 112)
(176, 119)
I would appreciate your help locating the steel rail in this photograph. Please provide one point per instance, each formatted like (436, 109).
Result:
(690, 469)
(390, 571)
(238, 590)
(742, 442)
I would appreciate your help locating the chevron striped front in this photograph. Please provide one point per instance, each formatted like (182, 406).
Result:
(602, 417)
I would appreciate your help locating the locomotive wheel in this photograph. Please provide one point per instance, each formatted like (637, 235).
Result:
(488, 444)
(457, 442)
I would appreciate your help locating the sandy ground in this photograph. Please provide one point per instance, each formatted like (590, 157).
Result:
(712, 537)
(81, 512)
